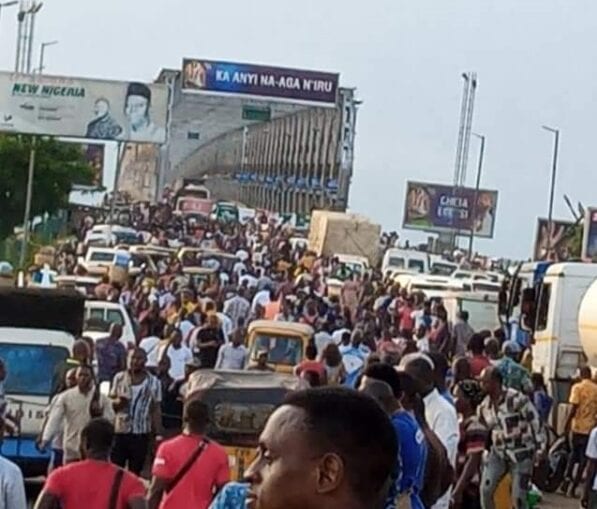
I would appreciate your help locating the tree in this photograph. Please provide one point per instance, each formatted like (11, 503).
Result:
(57, 166)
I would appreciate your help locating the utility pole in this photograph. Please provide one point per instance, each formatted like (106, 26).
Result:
(464, 135)
(477, 186)
(25, 34)
(552, 187)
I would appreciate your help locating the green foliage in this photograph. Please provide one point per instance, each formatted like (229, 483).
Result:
(57, 166)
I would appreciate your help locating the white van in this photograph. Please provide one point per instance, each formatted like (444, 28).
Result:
(481, 307)
(396, 260)
(99, 315)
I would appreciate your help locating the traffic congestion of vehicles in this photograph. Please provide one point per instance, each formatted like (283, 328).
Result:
(129, 276)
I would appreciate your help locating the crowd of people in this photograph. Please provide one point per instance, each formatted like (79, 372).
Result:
(401, 408)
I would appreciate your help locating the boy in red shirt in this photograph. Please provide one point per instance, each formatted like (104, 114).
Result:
(93, 482)
(189, 469)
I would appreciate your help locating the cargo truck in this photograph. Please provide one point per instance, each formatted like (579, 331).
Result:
(339, 233)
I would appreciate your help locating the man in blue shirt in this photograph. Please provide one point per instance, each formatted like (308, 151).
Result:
(382, 382)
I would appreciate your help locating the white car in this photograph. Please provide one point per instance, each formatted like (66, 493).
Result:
(98, 260)
(99, 315)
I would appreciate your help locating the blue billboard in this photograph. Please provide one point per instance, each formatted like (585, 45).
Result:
(258, 80)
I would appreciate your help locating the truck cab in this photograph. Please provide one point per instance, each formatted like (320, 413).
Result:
(558, 352)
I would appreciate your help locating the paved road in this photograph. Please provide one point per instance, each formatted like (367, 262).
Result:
(559, 502)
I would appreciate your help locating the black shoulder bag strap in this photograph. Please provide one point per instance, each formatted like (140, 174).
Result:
(186, 467)
(116, 489)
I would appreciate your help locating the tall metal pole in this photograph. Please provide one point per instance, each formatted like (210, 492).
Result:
(121, 151)
(20, 17)
(477, 186)
(42, 54)
(28, 197)
(552, 187)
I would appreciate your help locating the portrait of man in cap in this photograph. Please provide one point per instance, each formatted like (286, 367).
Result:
(140, 127)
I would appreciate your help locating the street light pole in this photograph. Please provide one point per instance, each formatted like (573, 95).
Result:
(552, 187)
(477, 186)
(42, 52)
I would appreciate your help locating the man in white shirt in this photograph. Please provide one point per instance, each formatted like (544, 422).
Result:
(178, 354)
(439, 413)
(232, 355)
(247, 280)
(12, 485)
(237, 307)
(262, 298)
(73, 410)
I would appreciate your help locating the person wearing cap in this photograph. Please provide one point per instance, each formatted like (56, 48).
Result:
(136, 108)
(515, 376)
(261, 364)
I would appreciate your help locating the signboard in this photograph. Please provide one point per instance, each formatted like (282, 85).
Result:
(191, 205)
(589, 245)
(259, 80)
(257, 113)
(440, 208)
(83, 108)
(558, 244)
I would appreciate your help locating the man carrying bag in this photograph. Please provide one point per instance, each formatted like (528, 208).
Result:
(189, 469)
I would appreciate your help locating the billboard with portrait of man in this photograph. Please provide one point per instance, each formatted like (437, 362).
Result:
(444, 209)
(83, 108)
(558, 242)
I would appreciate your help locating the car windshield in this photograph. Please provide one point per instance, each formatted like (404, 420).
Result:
(31, 368)
(102, 256)
(439, 269)
(417, 265)
(396, 263)
(280, 349)
(241, 418)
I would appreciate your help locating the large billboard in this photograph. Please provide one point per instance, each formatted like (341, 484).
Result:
(258, 80)
(83, 108)
(558, 243)
(589, 247)
(440, 208)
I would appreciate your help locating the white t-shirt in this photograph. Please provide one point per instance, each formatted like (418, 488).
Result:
(12, 486)
(261, 298)
(226, 325)
(423, 344)
(151, 346)
(251, 281)
(337, 335)
(591, 451)
(322, 339)
(178, 358)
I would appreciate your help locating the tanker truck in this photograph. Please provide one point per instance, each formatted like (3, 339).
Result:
(565, 328)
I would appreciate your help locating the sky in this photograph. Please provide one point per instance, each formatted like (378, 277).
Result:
(535, 61)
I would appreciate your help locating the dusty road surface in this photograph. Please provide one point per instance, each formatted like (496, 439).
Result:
(553, 501)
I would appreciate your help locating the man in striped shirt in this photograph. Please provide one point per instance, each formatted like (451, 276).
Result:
(136, 397)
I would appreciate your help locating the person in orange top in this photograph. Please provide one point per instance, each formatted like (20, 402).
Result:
(582, 419)
(272, 309)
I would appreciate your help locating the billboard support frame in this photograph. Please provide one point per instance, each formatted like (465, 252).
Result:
(28, 199)
(121, 150)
